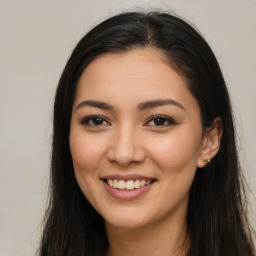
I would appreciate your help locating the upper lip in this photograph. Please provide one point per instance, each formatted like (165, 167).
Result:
(127, 177)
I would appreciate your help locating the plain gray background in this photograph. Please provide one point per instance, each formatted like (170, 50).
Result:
(36, 40)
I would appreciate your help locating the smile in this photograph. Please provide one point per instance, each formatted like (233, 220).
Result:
(128, 185)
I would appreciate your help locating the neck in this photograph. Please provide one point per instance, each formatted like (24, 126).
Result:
(158, 239)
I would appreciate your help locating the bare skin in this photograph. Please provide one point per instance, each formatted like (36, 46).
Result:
(159, 239)
(134, 115)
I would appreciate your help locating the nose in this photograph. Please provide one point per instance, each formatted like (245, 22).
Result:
(126, 147)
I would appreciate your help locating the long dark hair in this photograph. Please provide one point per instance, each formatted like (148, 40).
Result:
(217, 221)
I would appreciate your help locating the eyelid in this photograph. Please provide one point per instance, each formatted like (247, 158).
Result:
(170, 120)
(85, 120)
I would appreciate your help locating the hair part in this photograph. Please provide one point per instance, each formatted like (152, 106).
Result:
(217, 221)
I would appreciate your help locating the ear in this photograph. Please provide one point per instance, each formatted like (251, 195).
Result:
(211, 142)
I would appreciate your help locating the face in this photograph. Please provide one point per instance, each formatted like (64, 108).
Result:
(136, 138)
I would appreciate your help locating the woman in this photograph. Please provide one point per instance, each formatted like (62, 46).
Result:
(144, 160)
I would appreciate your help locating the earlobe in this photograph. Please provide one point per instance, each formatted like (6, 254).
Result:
(211, 143)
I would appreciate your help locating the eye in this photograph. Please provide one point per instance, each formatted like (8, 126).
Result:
(160, 120)
(95, 121)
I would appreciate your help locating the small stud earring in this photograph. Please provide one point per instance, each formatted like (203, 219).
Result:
(207, 161)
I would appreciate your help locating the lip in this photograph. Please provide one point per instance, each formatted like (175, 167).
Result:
(127, 177)
(124, 194)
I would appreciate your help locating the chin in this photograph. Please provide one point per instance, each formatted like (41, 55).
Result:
(128, 219)
(126, 223)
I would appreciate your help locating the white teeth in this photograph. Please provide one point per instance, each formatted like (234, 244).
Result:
(137, 183)
(115, 184)
(147, 182)
(110, 182)
(122, 184)
(129, 185)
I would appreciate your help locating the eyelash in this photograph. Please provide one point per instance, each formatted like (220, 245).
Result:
(87, 119)
(167, 119)
(170, 121)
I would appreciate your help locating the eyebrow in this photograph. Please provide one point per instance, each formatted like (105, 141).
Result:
(158, 103)
(142, 106)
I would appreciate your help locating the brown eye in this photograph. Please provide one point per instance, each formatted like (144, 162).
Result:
(94, 121)
(160, 121)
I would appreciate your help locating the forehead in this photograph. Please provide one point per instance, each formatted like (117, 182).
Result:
(140, 74)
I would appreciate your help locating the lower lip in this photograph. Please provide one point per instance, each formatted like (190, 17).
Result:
(124, 194)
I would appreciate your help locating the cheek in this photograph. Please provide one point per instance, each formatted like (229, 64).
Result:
(86, 154)
(176, 152)
(176, 157)
(86, 151)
